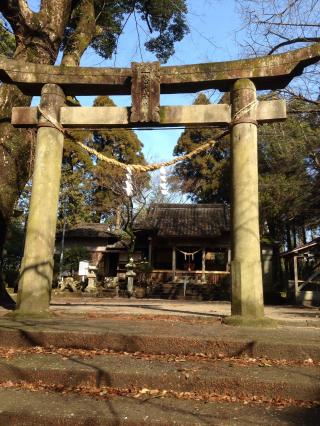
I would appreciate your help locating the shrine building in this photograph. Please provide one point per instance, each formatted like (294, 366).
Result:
(180, 241)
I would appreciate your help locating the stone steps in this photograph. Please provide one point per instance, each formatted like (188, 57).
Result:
(126, 371)
(156, 336)
(202, 376)
(25, 408)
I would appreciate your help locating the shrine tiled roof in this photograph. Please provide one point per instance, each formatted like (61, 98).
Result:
(89, 230)
(189, 220)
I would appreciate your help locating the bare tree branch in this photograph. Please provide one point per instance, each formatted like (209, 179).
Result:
(274, 24)
(301, 97)
(288, 7)
(286, 24)
(293, 41)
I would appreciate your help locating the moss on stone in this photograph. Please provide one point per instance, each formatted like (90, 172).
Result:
(162, 114)
(240, 321)
(19, 315)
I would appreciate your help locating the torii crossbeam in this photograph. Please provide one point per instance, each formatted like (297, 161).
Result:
(145, 82)
(267, 72)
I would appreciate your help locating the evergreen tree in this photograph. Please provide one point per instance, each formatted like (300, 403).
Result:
(288, 173)
(289, 191)
(76, 184)
(7, 40)
(109, 181)
(205, 177)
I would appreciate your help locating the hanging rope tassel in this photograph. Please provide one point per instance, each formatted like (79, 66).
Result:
(128, 185)
(163, 181)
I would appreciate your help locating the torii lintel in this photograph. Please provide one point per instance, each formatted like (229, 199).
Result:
(266, 72)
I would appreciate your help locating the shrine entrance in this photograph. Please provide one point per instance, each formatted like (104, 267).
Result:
(145, 82)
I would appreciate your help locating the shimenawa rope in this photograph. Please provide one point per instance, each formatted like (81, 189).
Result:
(154, 166)
(133, 167)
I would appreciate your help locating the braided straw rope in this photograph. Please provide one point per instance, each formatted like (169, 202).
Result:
(244, 110)
(155, 166)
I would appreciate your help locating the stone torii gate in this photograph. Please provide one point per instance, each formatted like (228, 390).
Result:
(145, 82)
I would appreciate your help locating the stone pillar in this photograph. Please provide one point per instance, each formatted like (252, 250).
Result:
(247, 290)
(37, 264)
(174, 264)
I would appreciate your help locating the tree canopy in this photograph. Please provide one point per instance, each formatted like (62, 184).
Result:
(289, 175)
(103, 24)
(7, 41)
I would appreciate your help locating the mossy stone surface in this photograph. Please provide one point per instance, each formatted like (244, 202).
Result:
(239, 321)
(20, 315)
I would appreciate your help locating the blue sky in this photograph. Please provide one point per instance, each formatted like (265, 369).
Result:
(213, 37)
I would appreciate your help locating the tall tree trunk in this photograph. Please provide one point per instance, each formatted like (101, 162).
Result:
(38, 38)
(14, 160)
(294, 232)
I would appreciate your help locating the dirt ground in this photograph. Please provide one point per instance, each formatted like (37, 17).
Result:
(291, 315)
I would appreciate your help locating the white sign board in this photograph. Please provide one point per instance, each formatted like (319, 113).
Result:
(83, 268)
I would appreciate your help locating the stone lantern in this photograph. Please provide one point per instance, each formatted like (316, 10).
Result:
(130, 274)
(92, 279)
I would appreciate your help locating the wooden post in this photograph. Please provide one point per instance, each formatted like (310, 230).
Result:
(247, 292)
(228, 260)
(203, 271)
(296, 277)
(150, 250)
(174, 264)
(37, 265)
